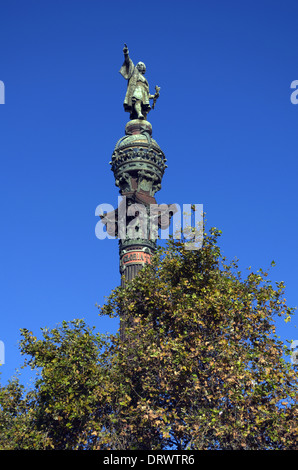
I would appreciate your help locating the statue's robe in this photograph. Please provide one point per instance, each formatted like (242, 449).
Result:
(137, 87)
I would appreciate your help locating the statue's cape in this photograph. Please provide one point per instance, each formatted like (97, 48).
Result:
(127, 69)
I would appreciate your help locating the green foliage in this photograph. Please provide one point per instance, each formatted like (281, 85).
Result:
(200, 367)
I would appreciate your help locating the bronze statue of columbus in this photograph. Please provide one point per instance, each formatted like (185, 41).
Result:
(137, 96)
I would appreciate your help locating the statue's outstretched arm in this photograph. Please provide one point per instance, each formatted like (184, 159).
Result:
(126, 53)
(128, 66)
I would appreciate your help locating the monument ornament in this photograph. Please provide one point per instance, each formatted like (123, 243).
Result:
(137, 96)
(138, 164)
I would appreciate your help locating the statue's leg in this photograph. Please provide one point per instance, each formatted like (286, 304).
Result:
(138, 108)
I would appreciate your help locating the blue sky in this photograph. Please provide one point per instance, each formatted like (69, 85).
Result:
(224, 119)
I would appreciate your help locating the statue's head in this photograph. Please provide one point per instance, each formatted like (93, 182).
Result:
(141, 67)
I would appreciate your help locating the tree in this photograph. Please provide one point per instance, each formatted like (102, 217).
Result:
(201, 366)
(65, 404)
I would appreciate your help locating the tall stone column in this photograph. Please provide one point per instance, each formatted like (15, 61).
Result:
(138, 164)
